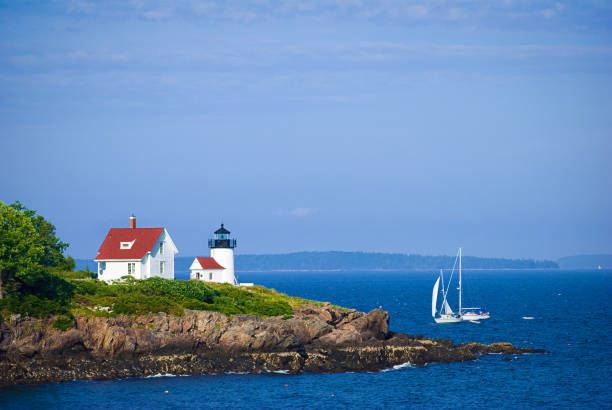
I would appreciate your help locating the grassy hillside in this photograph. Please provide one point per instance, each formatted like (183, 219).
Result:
(137, 297)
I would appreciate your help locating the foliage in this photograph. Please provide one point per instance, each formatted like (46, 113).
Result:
(35, 292)
(75, 274)
(32, 305)
(50, 294)
(63, 323)
(135, 297)
(127, 304)
(19, 248)
(38, 282)
(28, 248)
(236, 301)
(69, 264)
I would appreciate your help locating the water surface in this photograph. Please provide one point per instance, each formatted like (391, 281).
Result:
(572, 320)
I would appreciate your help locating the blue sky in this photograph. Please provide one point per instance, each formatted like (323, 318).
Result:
(392, 126)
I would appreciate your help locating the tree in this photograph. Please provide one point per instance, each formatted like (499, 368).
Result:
(27, 243)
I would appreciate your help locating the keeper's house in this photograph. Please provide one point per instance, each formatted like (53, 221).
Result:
(139, 252)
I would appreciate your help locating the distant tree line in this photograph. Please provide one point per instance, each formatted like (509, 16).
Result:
(378, 261)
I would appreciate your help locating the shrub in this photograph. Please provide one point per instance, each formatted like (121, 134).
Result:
(141, 304)
(32, 305)
(178, 289)
(75, 274)
(44, 285)
(63, 323)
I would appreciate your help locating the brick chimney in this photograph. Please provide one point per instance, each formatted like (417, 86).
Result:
(133, 222)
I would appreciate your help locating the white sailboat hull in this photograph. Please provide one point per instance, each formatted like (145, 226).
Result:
(448, 319)
(470, 316)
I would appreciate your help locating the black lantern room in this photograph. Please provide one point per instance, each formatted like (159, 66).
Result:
(222, 239)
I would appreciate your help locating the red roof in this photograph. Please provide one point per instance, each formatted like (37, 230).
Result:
(209, 263)
(144, 240)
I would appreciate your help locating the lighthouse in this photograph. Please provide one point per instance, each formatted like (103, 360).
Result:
(219, 267)
(222, 251)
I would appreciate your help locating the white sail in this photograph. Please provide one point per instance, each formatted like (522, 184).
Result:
(434, 298)
(447, 308)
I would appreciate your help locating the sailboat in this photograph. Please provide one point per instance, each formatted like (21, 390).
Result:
(446, 313)
(470, 314)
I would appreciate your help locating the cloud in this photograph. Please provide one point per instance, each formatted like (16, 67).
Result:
(274, 54)
(296, 212)
(471, 12)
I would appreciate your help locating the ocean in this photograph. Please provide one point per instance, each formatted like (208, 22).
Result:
(571, 313)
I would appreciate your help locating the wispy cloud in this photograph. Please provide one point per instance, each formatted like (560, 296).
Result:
(272, 54)
(479, 12)
(299, 212)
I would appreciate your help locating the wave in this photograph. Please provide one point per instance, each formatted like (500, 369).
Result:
(398, 367)
(160, 375)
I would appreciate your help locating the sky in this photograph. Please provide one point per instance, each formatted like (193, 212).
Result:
(386, 126)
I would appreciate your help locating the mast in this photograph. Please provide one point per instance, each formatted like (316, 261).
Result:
(460, 282)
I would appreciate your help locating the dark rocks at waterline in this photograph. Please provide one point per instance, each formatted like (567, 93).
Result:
(317, 339)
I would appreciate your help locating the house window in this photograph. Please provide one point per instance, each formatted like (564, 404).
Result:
(161, 248)
(131, 268)
(161, 268)
(209, 275)
(127, 245)
(198, 275)
(103, 265)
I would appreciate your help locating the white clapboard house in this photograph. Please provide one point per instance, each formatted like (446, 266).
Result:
(139, 252)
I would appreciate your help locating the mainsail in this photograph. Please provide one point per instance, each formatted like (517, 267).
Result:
(434, 298)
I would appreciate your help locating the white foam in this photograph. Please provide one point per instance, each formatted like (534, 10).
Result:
(527, 317)
(161, 375)
(278, 371)
(398, 367)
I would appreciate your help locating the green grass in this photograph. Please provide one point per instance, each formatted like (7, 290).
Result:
(137, 297)
(81, 295)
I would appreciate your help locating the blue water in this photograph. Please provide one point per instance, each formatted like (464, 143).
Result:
(572, 320)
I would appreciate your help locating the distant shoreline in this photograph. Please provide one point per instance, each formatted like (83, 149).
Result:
(339, 261)
(399, 270)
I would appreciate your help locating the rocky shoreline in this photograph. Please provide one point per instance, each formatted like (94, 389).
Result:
(317, 339)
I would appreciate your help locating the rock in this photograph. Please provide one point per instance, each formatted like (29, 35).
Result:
(317, 339)
(326, 315)
(378, 324)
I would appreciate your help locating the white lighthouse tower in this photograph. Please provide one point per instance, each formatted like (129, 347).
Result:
(222, 251)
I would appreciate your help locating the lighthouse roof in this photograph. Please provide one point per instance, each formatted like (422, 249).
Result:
(209, 263)
(222, 231)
